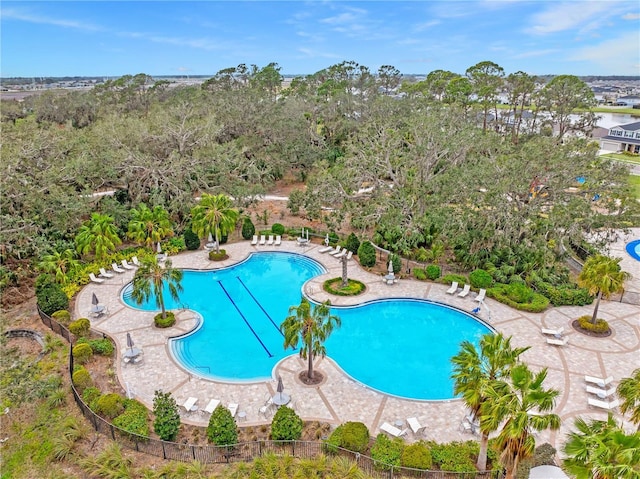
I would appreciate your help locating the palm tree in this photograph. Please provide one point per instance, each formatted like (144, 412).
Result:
(474, 370)
(149, 226)
(602, 450)
(150, 279)
(629, 391)
(522, 405)
(59, 263)
(311, 325)
(99, 234)
(602, 276)
(214, 215)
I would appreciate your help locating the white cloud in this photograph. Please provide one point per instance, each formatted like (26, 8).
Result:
(12, 14)
(631, 16)
(426, 25)
(581, 16)
(618, 56)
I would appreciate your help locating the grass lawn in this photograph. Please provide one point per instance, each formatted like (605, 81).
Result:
(634, 181)
(625, 158)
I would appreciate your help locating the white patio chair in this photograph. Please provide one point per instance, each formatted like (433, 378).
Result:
(481, 295)
(465, 291)
(453, 288)
(94, 279)
(105, 274)
(254, 241)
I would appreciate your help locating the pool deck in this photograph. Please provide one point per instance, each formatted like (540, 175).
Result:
(339, 398)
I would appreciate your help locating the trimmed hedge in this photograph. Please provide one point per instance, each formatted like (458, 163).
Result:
(367, 254)
(134, 419)
(600, 327)
(451, 277)
(110, 405)
(479, 278)
(286, 425)
(222, 429)
(82, 353)
(353, 243)
(63, 316)
(167, 322)
(277, 229)
(565, 295)
(387, 451)
(417, 456)
(353, 436)
(80, 327)
(515, 296)
(52, 298)
(81, 379)
(419, 274)
(215, 256)
(433, 272)
(248, 229)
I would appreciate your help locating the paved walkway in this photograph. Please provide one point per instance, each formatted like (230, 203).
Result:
(341, 399)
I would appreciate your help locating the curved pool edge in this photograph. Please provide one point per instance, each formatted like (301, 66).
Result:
(630, 248)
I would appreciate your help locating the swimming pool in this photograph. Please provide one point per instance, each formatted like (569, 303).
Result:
(633, 249)
(397, 346)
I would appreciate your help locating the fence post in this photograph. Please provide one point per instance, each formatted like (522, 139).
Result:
(164, 452)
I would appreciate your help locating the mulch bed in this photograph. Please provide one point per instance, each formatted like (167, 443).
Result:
(593, 334)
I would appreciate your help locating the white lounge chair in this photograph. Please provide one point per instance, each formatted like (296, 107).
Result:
(267, 407)
(392, 430)
(481, 295)
(278, 240)
(134, 260)
(213, 404)
(270, 240)
(263, 240)
(105, 274)
(415, 425)
(465, 291)
(93, 278)
(336, 251)
(116, 268)
(325, 249)
(553, 332)
(341, 253)
(601, 393)
(233, 409)
(125, 264)
(254, 241)
(190, 404)
(349, 255)
(598, 381)
(608, 405)
(557, 341)
(453, 288)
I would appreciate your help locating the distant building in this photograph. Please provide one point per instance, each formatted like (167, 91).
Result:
(622, 138)
(628, 100)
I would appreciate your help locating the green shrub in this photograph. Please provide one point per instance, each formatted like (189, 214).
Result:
(80, 327)
(353, 436)
(367, 254)
(218, 256)
(561, 295)
(479, 278)
(167, 419)
(277, 229)
(353, 243)
(52, 298)
(63, 316)
(334, 238)
(420, 274)
(222, 429)
(387, 451)
(433, 272)
(334, 286)
(103, 347)
(601, 326)
(286, 425)
(520, 293)
(191, 240)
(81, 379)
(167, 322)
(82, 353)
(396, 262)
(110, 405)
(450, 278)
(42, 281)
(516, 278)
(454, 456)
(248, 229)
(90, 394)
(536, 304)
(416, 456)
(134, 418)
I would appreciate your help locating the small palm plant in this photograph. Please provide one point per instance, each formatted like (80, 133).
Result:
(603, 277)
(150, 279)
(311, 325)
(99, 234)
(629, 391)
(149, 226)
(214, 216)
(59, 263)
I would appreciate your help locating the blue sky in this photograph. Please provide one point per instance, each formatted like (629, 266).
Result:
(96, 38)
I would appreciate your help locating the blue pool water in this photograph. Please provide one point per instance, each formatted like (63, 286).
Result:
(633, 249)
(398, 346)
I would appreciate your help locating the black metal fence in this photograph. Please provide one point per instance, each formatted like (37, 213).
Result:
(246, 451)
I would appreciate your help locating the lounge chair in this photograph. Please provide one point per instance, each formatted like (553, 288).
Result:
(601, 393)
(213, 404)
(341, 253)
(349, 255)
(116, 268)
(392, 430)
(597, 381)
(415, 425)
(267, 407)
(466, 426)
(134, 260)
(336, 251)
(263, 240)
(270, 240)
(126, 265)
(105, 274)
(558, 341)
(93, 278)
(465, 291)
(608, 405)
(325, 249)
(553, 332)
(453, 288)
(190, 404)
(278, 240)
(254, 241)
(481, 295)
(233, 409)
